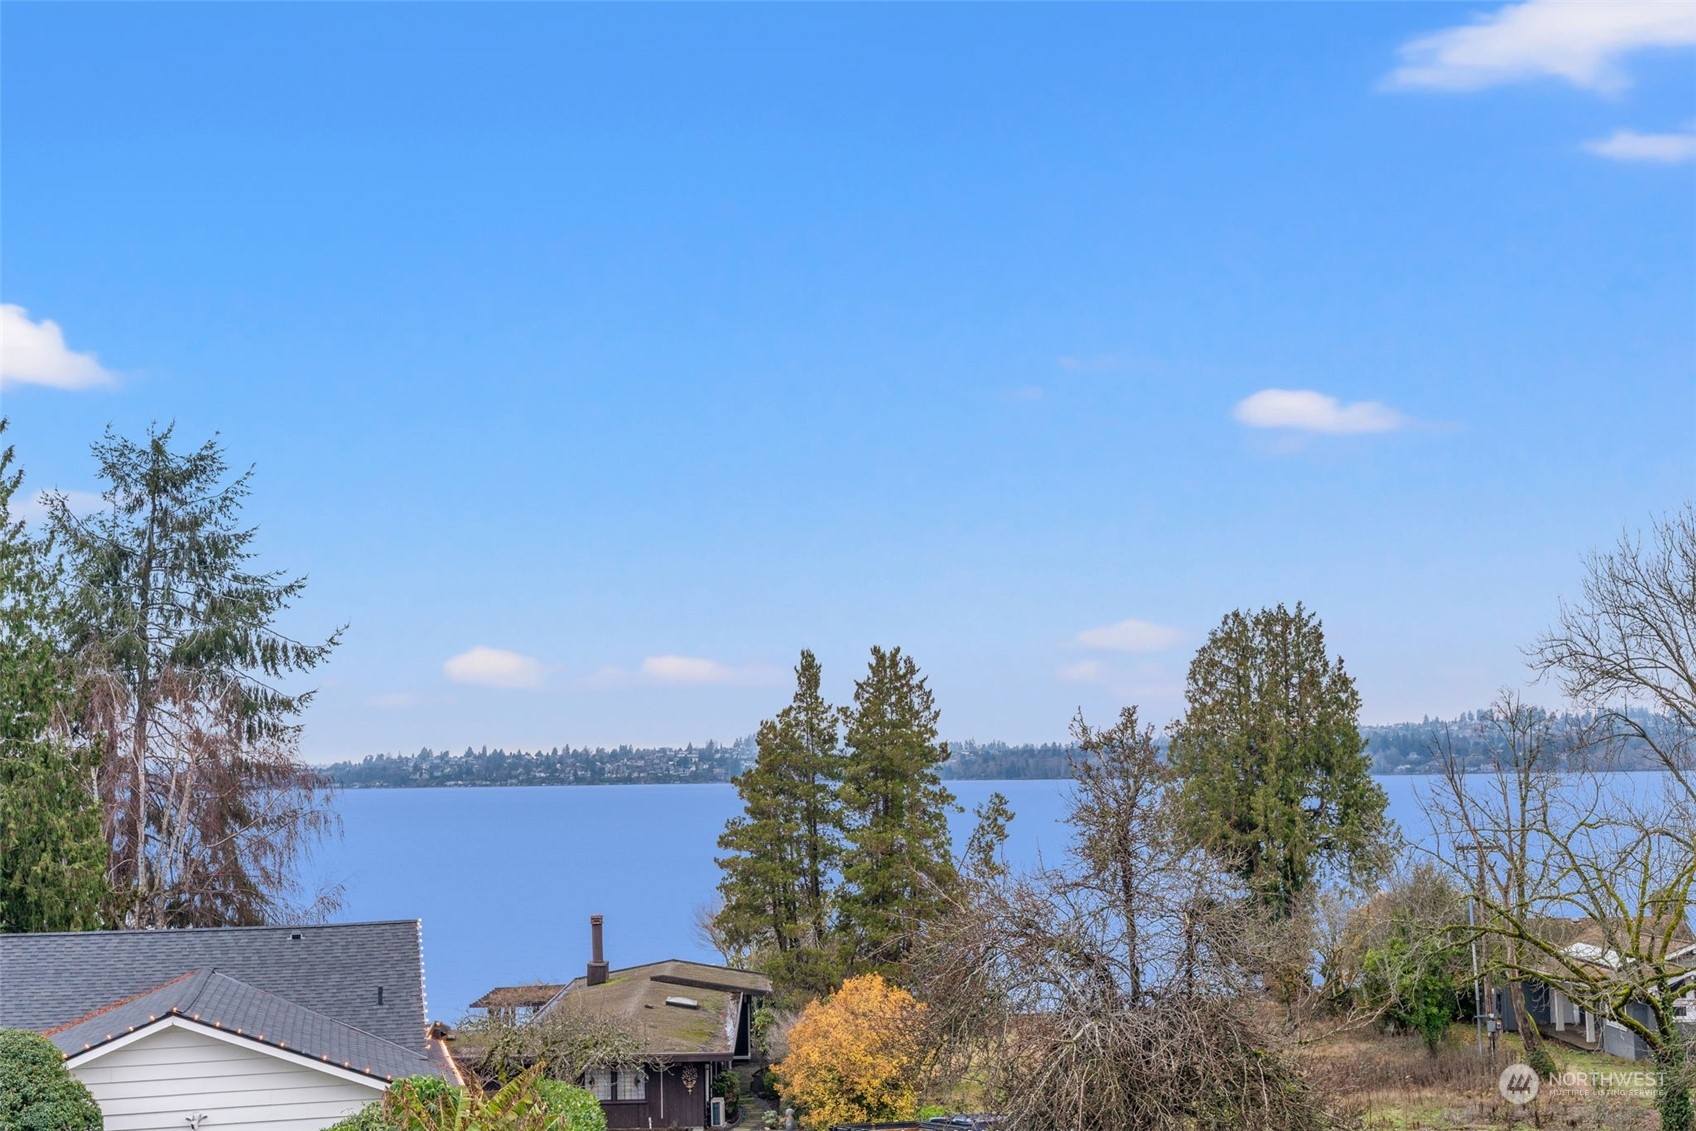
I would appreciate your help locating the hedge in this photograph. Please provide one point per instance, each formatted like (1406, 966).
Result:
(37, 1091)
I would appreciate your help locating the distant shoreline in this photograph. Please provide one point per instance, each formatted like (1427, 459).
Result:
(1399, 750)
(401, 786)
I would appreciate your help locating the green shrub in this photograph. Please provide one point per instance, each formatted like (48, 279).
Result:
(764, 1019)
(1541, 1061)
(569, 1108)
(371, 1118)
(430, 1089)
(367, 1118)
(37, 1091)
(931, 1111)
(577, 1108)
(729, 1086)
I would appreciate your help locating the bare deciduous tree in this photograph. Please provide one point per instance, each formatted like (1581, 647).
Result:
(1627, 650)
(1494, 823)
(563, 1042)
(1631, 642)
(1105, 995)
(1584, 881)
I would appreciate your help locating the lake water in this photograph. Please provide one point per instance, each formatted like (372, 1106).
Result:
(505, 879)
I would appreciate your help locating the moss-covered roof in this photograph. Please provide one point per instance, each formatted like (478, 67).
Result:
(680, 1008)
(533, 996)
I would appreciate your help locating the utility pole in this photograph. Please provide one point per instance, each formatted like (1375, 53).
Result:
(1482, 984)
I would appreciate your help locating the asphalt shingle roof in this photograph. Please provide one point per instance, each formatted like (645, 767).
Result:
(333, 970)
(221, 1002)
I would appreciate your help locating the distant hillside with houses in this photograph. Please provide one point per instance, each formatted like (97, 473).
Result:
(1396, 748)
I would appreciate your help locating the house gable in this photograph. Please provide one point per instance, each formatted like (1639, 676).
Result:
(366, 975)
(163, 1076)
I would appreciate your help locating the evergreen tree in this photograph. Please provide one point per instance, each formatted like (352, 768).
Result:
(206, 806)
(52, 856)
(1273, 770)
(776, 890)
(899, 868)
(983, 856)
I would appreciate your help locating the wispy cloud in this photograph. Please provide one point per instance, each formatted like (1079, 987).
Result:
(687, 671)
(395, 701)
(1304, 410)
(493, 667)
(1584, 44)
(34, 509)
(1084, 671)
(1090, 363)
(1130, 635)
(1146, 682)
(35, 353)
(1657, 149)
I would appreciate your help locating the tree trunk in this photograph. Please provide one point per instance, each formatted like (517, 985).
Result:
(1529, 1035)
(1673, 1089)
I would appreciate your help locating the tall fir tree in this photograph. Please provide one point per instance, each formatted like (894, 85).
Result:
(1272, 767)
(899, 867)
(206, 806)
(777, 891)
(52, 856)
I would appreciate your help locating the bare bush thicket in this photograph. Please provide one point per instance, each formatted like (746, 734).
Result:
(563, 1043)
(1110, 993)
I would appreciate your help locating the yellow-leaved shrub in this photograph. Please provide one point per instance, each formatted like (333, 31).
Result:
(854, 1056)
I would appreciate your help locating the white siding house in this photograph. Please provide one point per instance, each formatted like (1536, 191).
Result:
(179, 1075)
(215, 1029)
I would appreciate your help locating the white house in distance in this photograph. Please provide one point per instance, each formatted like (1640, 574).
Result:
(281, 1028)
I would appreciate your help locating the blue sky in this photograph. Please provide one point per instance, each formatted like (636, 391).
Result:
(595, 360)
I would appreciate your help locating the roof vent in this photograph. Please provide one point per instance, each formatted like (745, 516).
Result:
(295, 937)
(683, 1002)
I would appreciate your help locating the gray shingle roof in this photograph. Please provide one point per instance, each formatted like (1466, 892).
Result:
(213, 999)
(334, 970)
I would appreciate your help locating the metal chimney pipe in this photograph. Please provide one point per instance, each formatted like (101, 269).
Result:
(597, 958)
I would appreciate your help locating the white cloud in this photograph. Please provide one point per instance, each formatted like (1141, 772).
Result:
(1129, 636)
(688, 671)
(1581, 43)
(1661, 149)
(1304, 410)
(493, 667)
(685, 669)
(1084, 671)
(34, 353)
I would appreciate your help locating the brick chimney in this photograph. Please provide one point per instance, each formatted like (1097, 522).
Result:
(597, 959)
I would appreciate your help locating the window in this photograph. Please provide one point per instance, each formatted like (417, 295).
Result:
(612, 1085)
